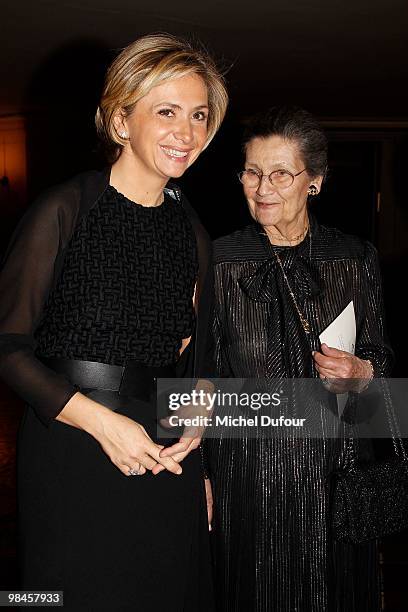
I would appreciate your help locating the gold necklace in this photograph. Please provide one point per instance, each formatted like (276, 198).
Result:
(305, 323)
(284, 239)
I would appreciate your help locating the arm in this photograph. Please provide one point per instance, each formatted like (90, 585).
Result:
(373, 355)
(26, 279)
(372, 341)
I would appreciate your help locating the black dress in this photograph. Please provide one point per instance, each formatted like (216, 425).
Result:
(124, 291)
(271, 528)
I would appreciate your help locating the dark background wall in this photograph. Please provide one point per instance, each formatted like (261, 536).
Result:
(345, 62)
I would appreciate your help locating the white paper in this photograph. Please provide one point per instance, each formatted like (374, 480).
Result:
(341, 334)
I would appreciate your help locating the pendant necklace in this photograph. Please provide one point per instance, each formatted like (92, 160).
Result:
(305, 323)
(303, 320)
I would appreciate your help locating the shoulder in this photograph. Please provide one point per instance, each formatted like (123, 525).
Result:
(57, 210)
(70, 193)
(201, 233)
(240, 245)
(331, 243)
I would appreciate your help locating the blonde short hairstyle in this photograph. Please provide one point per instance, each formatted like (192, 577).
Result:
(146, 63)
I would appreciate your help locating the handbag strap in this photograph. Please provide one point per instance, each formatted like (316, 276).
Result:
(398, 444)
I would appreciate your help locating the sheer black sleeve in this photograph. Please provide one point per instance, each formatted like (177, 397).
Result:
(372, 342)
(29, 270)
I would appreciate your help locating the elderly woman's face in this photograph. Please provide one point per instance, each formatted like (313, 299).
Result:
(272, 205)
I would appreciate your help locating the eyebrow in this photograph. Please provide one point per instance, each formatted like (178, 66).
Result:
(276, 164)
(178, 107)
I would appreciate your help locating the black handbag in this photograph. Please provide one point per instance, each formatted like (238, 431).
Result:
(370, 500)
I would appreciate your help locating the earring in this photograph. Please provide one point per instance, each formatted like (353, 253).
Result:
(313, 190)
(123, 135)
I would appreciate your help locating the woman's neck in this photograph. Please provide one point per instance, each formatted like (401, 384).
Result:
(133, 180)
(288, 234)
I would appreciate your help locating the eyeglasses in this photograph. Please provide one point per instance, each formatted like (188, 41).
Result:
(279, 178)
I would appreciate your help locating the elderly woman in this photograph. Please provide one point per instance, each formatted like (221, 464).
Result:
(105, 283)
(279, 283)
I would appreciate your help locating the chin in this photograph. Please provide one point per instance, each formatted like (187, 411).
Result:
(178, 172)
(172, 170)
(267, 220)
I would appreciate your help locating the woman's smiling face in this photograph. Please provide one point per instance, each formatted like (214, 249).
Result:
(269, 205)
(167, 129)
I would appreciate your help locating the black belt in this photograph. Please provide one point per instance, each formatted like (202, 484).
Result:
(133, 379)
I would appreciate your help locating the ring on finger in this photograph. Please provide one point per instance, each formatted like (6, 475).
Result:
(133, 472)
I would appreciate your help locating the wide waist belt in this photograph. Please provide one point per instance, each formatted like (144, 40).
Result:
(133, 379)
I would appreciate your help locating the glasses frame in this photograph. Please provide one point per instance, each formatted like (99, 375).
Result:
(260, 177)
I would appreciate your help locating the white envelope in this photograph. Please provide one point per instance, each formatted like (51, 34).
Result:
(341, 334)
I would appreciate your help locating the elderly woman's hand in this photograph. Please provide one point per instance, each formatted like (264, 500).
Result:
(342, 371)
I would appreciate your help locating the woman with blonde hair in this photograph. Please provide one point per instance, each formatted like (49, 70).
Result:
(106, 286)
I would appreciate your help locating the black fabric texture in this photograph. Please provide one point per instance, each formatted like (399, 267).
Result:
(107, 540)
(29, 284)
(126, 288)
(273, 547)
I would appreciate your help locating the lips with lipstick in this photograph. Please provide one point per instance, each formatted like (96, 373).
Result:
(176, 154)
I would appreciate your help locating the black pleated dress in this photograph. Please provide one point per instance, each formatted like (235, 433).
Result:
(112, 542)
(273, 549)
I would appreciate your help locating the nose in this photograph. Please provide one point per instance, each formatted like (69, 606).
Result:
(265, 186)
(184, 131)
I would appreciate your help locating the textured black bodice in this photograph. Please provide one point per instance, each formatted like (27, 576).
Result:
(126, 287)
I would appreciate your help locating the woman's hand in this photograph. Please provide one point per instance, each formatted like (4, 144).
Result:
(128, 445)
(342, 371)
(192, 434)
(125, 442)
(190, 440)
(210, 501)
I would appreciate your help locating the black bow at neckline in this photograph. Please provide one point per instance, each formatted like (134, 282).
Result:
(261, 285)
